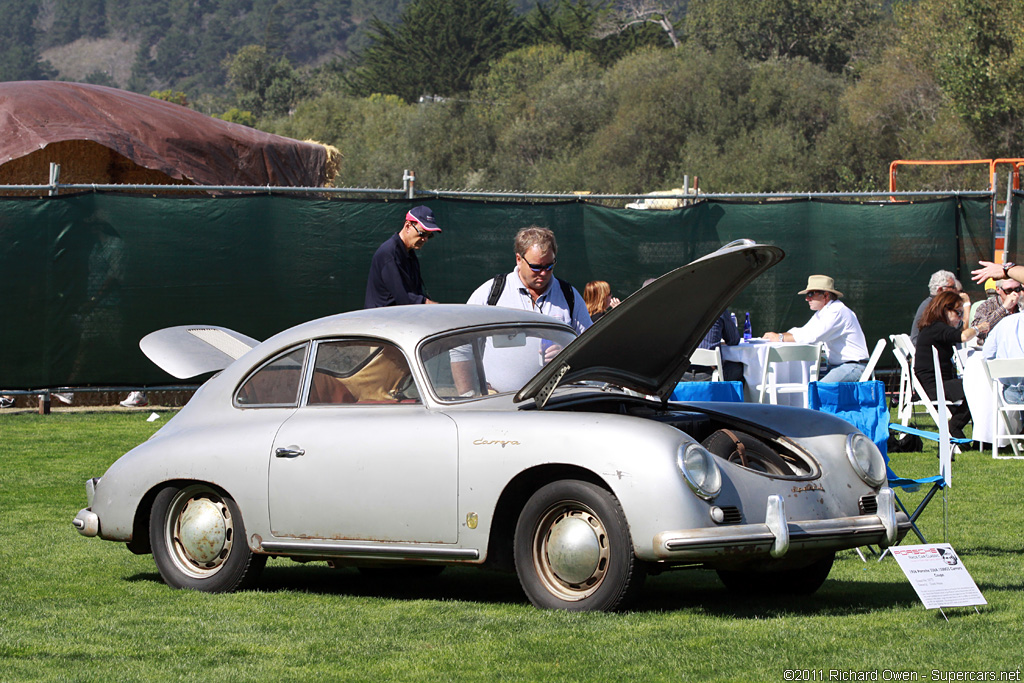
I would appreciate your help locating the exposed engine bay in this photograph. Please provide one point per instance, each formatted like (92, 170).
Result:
(741, 443)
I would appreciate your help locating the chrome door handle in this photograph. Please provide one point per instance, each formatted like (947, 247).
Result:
(289, 452)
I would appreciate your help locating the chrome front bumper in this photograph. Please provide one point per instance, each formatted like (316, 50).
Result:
(778, 536)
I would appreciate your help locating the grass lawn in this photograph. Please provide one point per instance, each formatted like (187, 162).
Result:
(79, 609)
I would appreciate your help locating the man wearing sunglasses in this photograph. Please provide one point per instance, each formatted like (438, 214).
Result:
(532, 286)
(834, 324)
(1005, 303)
(395, 278)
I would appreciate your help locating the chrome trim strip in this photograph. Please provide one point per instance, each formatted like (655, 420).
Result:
(358, 550)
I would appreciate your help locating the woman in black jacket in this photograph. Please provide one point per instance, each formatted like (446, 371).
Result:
(938, 329)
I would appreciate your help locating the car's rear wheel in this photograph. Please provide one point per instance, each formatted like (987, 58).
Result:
(199, 542)
(573, 550)
(799, 581)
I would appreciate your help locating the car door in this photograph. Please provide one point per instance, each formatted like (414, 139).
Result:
(362, 458)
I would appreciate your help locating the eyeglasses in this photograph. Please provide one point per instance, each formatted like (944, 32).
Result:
(538, 268)
(1010, 290)
(422, 233)
(958, 312)
(813, 293)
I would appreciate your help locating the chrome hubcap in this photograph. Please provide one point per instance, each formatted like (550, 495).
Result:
(571, 551)
(199, 529)
(202, 530)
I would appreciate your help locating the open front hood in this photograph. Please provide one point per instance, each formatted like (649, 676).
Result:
(645, 342)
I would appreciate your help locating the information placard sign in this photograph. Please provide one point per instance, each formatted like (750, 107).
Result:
(938, 576)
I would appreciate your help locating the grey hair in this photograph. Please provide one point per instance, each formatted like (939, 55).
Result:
(940, 278)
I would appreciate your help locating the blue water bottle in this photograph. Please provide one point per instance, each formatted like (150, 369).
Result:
(747, 332)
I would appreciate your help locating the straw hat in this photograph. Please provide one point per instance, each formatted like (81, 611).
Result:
(821, 283)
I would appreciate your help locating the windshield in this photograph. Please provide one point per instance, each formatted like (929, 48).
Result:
(489, 361)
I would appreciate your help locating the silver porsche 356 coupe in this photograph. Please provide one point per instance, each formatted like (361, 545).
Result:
(425, 436)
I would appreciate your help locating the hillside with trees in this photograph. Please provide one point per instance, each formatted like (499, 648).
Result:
(613, 96)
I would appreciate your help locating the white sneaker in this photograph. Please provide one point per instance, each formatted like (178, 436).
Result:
(136, 399)
(65, 397)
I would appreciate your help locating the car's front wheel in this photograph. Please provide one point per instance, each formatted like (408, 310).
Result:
(799, 581)
(198, 540)
(573, 550)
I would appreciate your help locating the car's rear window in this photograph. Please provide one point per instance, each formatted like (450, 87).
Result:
(276, 383)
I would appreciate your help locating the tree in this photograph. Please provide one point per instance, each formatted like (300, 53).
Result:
(896, 110)
(659, 100)
(263, 85)
(172, 96)
(628, 13)
(975, 51)
(372, 134)
(582, 25)
(541, 104)
(823, 31)
(19, 58)
(437, 48)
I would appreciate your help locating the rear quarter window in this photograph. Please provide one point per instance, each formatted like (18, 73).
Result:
(276, 383)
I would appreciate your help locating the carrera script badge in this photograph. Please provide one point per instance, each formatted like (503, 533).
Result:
(495, 442)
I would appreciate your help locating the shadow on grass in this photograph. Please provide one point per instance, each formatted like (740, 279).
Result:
(702, 591)
(688, 590)
(455, 583)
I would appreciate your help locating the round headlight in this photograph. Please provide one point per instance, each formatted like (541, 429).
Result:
(866, 459)
(700, 470)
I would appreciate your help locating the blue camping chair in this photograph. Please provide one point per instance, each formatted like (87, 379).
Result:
(731, 392)
(864, 405)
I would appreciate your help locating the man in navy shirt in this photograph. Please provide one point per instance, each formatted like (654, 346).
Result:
(394, 271)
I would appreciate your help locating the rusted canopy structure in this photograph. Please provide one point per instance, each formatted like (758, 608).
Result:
(105, 135)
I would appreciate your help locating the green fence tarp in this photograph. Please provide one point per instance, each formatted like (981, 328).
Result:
(1015, 228)
(86, 276)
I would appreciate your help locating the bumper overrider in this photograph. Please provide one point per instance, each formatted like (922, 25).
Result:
(778, 535)
(86, 521)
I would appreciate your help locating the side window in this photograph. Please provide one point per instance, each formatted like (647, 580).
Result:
(360, 372)
(276, 383)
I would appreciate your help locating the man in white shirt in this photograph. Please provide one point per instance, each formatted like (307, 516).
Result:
(531, 286)
(834, 324)
(1006, 340)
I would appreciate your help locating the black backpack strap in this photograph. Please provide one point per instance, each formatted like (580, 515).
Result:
(569, 294)
(497, 286)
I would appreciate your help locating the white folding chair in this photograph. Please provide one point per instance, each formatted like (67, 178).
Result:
(958, 361)
(771, 386)
(869, 369)
(909, 384)
(709, 358)
(904, 405)
(996, 369)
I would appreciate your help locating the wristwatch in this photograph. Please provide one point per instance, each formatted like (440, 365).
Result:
(1006, 268)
